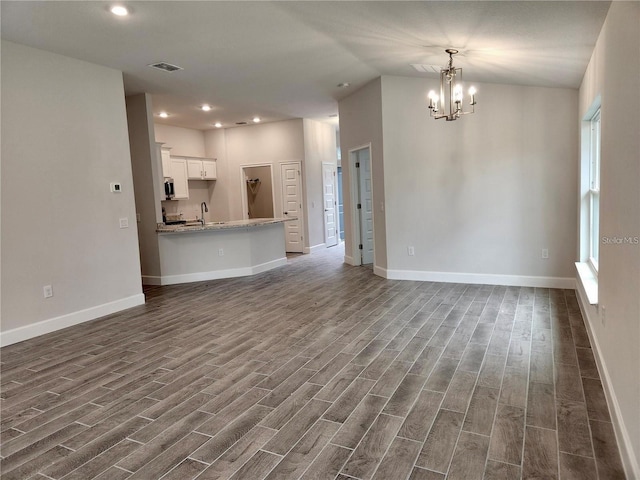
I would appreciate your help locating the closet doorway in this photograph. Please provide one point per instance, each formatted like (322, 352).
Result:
(257, 188)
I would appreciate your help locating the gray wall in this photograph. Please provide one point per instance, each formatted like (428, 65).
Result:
(145, 175)
(360, 124)
(614, 74)
(486, 193)
(64, 139)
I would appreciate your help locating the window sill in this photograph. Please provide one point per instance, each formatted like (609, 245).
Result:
(589, 282)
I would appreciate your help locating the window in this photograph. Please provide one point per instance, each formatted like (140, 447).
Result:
(594, 191)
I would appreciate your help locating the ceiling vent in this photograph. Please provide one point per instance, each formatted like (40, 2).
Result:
(419, 67)
(241, 123)
(167, 67)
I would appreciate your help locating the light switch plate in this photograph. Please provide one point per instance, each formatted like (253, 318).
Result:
(124, 223)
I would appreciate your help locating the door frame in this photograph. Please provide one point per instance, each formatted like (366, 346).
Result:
(243, 188)
(301, 216)
(354, 185)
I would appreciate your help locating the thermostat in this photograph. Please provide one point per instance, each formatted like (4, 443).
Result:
(116, 187)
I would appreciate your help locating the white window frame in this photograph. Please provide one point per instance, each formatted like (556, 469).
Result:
(593, 203)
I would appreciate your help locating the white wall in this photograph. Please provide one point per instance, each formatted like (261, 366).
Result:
(183, 141)
(614, 74)
(319, 146)
(216, 147)
(361, 124)
(64, 139)
(486, 193)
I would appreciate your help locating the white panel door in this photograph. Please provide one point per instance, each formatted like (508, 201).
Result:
(329, 198)
(292, 205)
(366, 203)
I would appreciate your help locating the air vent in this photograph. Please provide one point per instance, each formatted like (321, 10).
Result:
(241, 123)
(419, 67)
(167, 67)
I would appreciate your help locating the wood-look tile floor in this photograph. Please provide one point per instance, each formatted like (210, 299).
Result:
(316, 370)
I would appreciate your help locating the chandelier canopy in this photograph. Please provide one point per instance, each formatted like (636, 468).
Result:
(451, 95)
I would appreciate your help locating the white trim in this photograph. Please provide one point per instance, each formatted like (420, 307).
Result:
(589, 282)
(320, 246)
(63, 321)
(480, 278)
(627, 455)
(381, 272)
(350, 261)
(219, 274)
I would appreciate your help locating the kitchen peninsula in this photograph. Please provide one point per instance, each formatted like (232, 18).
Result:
(193, 253)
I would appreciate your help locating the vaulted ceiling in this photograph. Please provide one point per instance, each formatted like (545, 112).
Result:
(280, 60)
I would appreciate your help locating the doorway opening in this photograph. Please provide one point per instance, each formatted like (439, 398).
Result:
(257, 187)
(362, 205)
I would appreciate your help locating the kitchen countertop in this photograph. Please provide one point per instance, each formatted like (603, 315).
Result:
(188, 228)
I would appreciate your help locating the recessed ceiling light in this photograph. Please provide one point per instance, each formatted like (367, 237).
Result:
(163, 114)
(344, 85)
(217, 125)
(206, 107)
(119, 10)
(256, 119)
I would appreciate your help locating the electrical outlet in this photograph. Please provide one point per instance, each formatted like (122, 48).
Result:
(603, 316)
(411, 251)
(48, 291)
(124, 222)
(545, 253)
(221, 252)
(115, 187)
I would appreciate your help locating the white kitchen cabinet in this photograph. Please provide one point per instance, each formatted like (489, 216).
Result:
(201, 169)
(179, 174)
(166, 161)
(209, 169)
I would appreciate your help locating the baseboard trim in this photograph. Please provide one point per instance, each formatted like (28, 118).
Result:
(478, 278)
(220, 274)
(349, 261)
(320, 246)
(21, 334)
(381, 272)
(627, 455)
(151, 280)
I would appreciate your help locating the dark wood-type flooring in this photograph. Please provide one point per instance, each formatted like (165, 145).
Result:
(315, 370)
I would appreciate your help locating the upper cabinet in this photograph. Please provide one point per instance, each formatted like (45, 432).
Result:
(178, 169)
(201, 169)
(166, 161)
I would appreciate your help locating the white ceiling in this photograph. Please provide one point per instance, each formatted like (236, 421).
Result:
(282, 60)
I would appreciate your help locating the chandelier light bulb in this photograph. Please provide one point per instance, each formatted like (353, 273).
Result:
(457, 94)
(472, 91)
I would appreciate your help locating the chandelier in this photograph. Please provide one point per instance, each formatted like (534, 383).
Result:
(451, 95)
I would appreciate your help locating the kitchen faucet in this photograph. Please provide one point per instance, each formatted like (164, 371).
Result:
(203, 208)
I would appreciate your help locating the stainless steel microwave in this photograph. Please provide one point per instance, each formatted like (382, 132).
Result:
(169, 189)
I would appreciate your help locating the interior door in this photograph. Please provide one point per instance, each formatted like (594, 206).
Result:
(366, 206)
(330, 204)
(292, 205)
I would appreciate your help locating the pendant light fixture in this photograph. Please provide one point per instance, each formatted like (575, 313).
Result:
(449, 104)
